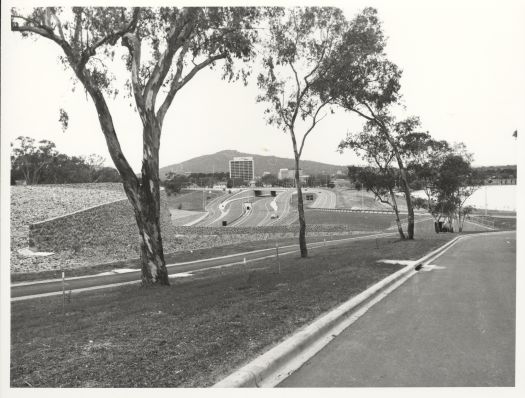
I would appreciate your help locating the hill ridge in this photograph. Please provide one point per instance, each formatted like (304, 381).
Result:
(218, 162)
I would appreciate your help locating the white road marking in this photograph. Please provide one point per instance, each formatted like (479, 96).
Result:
(401, 262)
(432, 267)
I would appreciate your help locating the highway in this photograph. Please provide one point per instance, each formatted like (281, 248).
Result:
(284, 211)
(325, 199)
(230, 208)
(219, 209)
(258, 215)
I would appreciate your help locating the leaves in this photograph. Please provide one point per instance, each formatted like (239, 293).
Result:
(63, 120)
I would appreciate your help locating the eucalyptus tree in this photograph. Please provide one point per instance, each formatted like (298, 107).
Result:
(165, 48)
(29, 160)
(380, 176)
(445, 174)
(455, 183)
(424, 156)
(360, 79)
(298, 41)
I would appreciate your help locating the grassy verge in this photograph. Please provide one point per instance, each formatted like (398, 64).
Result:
(199, 329)
(182, 256)
(505, 223)
(192, 200)
(358, 221)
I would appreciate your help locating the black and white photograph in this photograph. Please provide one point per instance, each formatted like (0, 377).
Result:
(304, 197)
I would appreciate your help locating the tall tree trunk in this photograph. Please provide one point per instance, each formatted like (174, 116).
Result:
(396, 211)
(404, 180)
(408, 198)
(300, 209)
(148, 212)
(144, 193)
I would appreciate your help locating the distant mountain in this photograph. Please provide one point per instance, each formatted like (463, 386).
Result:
(219, 162)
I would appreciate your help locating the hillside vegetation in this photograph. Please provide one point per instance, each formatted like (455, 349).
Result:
(220, 162)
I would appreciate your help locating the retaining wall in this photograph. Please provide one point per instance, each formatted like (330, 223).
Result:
(110, 223)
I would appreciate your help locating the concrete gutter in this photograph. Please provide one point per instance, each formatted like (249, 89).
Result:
(275, 365)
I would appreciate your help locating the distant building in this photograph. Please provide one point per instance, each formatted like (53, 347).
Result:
(283, 174)
(241, 168)
(289, 174)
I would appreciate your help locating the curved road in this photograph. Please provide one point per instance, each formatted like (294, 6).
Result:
(452, 324)
(219, 208)
(325, 199)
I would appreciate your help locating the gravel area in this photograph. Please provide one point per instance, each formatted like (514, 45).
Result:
(33, 203)
(30, 204)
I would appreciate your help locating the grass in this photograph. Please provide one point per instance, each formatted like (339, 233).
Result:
(504, 223)
(196, 331)
(348, 198)
(359, 221)
(182, 256)
(191, 200)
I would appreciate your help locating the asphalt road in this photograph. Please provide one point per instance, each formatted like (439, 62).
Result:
(325, 199)
(449, 325)
(74, 284)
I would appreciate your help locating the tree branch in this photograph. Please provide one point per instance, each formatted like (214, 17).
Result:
(132, 42)
(178, 83)
(314, 123)
(177, 36)
(111, 39)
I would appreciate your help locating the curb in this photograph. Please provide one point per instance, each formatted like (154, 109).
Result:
(270, 368)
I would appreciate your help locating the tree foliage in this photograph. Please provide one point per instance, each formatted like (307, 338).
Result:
(40, 163)
(165, 47)
(175, 182)
(299, 40)
(380, 177)
(361, 79)
(449, 180)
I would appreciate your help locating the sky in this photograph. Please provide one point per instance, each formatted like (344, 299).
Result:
(462, 65)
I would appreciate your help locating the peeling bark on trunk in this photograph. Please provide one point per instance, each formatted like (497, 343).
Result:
(396, 211)
(300, 209)
(143, 194)
(148, 212)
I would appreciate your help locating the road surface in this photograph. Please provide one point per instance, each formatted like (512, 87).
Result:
(225, 208)
(259, 214)
(325, 199)
(452, 324)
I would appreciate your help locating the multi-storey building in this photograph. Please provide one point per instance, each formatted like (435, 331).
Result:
(241, 169)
